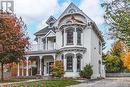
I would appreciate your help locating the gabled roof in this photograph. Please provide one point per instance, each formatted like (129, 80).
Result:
(50, 20)
(45, 31)
(50, 34)
(72, 6)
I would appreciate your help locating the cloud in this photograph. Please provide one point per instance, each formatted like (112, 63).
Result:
(56, 14)
(35, 10)
(93, 10)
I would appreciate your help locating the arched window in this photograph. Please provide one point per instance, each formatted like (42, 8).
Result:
(71, 11)
(79, 31)
(78, 56)
(70, 36)
(69, 62)
(69, 22)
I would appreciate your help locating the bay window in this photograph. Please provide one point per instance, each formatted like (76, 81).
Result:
(79, 32)
(69, 62)
(70, 37)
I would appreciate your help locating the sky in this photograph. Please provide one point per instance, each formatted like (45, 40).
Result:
(36, 12)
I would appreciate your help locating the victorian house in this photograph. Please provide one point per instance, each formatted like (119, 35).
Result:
(73, 38)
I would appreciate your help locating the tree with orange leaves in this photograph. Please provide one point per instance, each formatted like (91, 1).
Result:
(113, 59)
(126, 60)
(13, 39)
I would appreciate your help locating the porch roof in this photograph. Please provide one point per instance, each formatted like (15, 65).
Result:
(44, 31)
(40, 52)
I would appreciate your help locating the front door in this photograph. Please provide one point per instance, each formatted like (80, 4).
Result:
(49, 70)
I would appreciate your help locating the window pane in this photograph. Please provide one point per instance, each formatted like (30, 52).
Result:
(79, 56)
(70, 36)
(69, 63)
(63, 38)
(79, 31)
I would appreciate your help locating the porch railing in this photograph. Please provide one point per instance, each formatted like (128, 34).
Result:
(42, 47)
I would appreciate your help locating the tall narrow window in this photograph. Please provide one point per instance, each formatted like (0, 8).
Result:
(69, 64)
(44, 44)
(69, 36)
(79, 32)
(62, 37)
(99, 68)
(79, 56)
(100, 47)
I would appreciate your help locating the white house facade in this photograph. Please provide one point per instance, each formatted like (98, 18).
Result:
(73, 38)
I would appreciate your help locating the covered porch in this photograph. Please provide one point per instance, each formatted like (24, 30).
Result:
(36, 65)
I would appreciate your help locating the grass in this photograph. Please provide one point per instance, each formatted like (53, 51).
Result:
(49, 83)
(40, 83)
(13, 80)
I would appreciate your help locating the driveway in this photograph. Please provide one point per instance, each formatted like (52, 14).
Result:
(108, 82)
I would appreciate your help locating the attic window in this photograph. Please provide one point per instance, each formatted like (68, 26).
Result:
(72, 11)
(69, 22)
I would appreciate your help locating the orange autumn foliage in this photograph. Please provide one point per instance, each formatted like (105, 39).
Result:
(126, 60)
(118, 47)
(13, 38)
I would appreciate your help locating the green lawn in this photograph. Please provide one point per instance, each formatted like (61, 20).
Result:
(49, 83)
(13, 80)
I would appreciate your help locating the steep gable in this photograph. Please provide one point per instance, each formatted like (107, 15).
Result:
(72, 9)
(50, 34)
(51, 21)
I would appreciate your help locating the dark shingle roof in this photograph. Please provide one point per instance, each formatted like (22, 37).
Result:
(45, 31)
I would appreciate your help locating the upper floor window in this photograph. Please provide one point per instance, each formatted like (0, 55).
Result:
(69, 32)
(62, 37)
(71, 11)
(69, 22)
(100, 47)
(79, 31)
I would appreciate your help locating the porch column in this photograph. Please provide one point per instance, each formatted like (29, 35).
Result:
(64, 63)
(18, 73)
(27, 66)
(22, 69)
(54, 56)
(40, 65)
(74, 64)
(46, 43)
(31, 70)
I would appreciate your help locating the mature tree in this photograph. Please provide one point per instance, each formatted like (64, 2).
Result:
(113, 59)
(13, 39)
(126, 60)
(117, 16)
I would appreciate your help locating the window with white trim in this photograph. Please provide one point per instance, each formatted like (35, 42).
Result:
(79, 32)
(79, 57)
(69, 32)
(69, 63)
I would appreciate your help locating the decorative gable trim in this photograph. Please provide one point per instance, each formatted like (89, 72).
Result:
(54, 34)
(72, 9)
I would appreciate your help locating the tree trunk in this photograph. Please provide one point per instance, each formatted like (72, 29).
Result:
(2, 68)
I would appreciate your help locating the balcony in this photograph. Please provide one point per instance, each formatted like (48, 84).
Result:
(42, 47)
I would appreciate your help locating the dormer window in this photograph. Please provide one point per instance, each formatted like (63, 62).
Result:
(69, 22)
